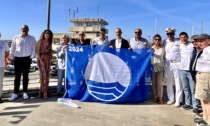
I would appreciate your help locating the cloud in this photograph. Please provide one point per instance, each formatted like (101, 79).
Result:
(159, 11)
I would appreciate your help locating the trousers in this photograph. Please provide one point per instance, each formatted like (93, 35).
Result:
(172, 73)
(22, 65)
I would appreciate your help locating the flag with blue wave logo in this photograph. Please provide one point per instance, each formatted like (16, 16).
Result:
(102, 74)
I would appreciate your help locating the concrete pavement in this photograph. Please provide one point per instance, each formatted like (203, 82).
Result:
(41, 112)
(47, 112)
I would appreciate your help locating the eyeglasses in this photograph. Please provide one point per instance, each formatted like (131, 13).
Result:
(170, 33)
(137, 32)
(157, 39)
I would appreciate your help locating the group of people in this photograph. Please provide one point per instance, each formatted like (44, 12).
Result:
(23, 48)
(185, 64)
(176, 61)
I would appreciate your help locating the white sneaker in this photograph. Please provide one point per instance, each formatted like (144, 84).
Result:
(177, 104)
(25, 96)
(170, 102)
(13, 97)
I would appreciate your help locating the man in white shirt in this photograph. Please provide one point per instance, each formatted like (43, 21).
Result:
(21, 53)
(202, 91)
(101, 40)
(186, 51)
(172, 63)
(4, 52)
(138, 42)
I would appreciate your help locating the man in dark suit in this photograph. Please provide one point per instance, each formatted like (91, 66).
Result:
(119, 42)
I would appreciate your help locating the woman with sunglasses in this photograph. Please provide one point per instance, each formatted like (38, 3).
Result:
(44, 56)
(158, 69)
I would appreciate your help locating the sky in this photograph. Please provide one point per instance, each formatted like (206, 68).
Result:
(152, 16)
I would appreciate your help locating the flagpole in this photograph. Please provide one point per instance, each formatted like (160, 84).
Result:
(48, 15)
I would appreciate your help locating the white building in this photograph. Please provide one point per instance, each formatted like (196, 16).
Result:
(91, 26)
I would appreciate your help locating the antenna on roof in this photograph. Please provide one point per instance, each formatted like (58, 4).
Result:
(74, 14)
(105, 16)
(69, 13)
(97, 9)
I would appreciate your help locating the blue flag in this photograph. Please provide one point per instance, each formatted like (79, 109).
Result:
(101, 74)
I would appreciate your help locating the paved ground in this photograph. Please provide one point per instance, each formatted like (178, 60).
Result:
(41, 112)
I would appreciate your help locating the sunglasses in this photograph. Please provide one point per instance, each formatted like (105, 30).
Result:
(157, 39)
(170, 33)
(25, 28)
(137, 32)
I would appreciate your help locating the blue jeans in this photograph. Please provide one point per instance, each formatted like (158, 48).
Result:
(188, 88)
(61, 75)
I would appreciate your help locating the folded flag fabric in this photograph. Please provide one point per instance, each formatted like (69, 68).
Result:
(67, 101)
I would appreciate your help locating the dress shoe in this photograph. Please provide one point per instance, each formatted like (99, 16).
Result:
(156, 100)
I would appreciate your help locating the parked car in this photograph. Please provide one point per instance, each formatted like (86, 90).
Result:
(53, 67)
(53, 71)
(34, 65)
(9, 69)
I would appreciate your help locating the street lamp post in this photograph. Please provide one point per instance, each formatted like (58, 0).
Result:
(48, 15)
